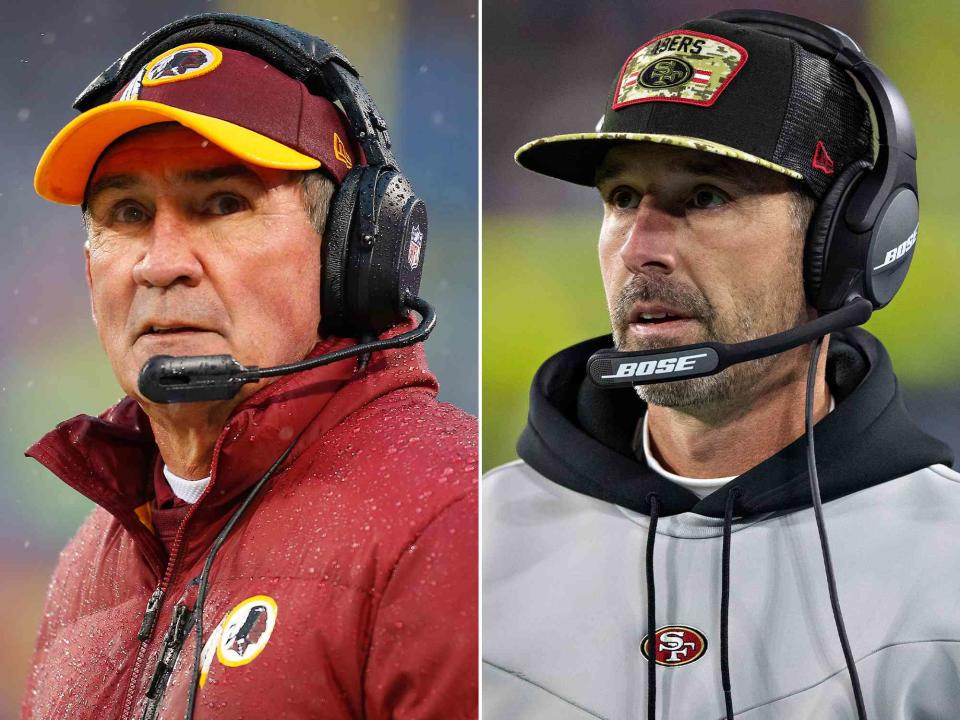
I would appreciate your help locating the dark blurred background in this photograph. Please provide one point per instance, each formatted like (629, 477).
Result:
(418, 59)
(547, 68)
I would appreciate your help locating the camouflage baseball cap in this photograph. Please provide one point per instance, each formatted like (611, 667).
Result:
(728, 90)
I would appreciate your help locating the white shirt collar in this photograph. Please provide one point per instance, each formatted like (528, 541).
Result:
(701, 487)
(187, 490)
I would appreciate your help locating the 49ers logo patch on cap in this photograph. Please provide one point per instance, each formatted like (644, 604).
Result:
(682, 66)
(676, 645)
(182, 63)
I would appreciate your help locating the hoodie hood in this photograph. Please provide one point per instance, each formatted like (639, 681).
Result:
(581, 437)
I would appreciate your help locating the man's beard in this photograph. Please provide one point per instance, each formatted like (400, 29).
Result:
(758, 315)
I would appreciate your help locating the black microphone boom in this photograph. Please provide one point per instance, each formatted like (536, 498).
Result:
(611, 369)
(167, 379)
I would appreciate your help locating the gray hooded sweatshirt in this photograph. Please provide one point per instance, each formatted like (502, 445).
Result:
(567, 585)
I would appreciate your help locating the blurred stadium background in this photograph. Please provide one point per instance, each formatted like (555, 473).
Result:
(417, 57)
(547, 68)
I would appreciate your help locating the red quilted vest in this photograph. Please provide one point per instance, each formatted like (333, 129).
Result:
(347, 590)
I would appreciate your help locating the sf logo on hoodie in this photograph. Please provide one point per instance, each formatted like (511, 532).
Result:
(676, 645)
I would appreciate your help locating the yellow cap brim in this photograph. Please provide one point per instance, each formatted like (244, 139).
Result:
(575, 157)
(66, 164)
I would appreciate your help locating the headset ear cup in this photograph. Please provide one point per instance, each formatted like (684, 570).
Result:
(334, 255)
(817, 247)
(385, 257)
(890, 250)
(372, 252)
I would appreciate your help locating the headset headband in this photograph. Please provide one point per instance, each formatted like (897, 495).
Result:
(894, 127)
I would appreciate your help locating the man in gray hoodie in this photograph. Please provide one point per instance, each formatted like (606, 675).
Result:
(664, 547)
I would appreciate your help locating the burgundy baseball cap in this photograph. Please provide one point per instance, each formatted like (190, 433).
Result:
(233, 99)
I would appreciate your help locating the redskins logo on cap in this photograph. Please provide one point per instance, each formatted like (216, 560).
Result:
(182, 63)
(682, 66)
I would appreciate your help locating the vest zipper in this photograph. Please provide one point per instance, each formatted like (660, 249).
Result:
(180, 625)
(150, 615)
(168, 576)
(152, 612)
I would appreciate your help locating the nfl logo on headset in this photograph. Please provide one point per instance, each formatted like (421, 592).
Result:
(416, 244)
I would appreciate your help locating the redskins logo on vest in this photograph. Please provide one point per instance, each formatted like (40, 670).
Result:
(183, 62)
(676, 645)
(241, 636)
(682, 66)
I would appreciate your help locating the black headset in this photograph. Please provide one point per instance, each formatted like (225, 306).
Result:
(369, 270)
(861, 237)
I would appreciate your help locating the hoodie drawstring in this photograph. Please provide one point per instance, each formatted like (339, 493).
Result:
(725, 603)
(731, 500)
(651, 611)
(821, 529)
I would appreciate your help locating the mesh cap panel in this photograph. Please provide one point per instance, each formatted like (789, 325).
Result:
(824, 109)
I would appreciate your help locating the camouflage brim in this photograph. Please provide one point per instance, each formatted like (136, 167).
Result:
(575, 157)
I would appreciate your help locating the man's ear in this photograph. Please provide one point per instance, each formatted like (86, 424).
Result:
(86, 262)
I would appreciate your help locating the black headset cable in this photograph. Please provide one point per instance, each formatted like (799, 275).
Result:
(418, 334)
(205, 574)
(821, 529)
